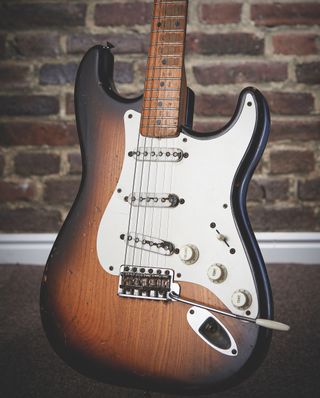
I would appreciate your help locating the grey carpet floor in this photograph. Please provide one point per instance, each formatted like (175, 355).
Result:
(29, 367)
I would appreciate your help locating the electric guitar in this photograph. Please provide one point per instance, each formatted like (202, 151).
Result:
(156, 280)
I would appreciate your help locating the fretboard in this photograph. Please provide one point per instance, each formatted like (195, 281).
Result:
(164, 91)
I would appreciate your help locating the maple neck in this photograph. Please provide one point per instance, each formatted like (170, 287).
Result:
(165, 91)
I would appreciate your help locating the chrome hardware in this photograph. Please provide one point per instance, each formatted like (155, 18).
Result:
(146, 282)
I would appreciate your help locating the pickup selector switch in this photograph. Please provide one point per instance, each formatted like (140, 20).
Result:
(217, 273)
(189, 254)
(241, 299)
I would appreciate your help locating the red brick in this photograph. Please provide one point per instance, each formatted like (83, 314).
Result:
(221, 13)
(291, 161)
(127, 14)
(36, 44)
(123, 43)
(215, 105)
(286, 14)
(2, 45)
(41, 15)
(37, 133)
(284, 219)
(14, 76)
(28, 105)
(61, 191)
(275, 189)
(308, 73)
(225, 43)
(36, 163)
(27, 219)
(240, 72)
(69, 104)
(295, 130)
(309, 189)
(295, 44)
(292, 103)
(58, 74)
(123, 72)
(255, 192)
(75, 164)
(1, 164)
(16, 191)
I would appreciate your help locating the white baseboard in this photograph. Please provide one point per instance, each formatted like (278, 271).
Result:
(277, 247)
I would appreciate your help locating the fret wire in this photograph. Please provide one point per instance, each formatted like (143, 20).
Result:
(158, 98)
(164, 67)
(161, 109)
(160, 117)
(161, 89)
(159, 126)
(162, 78)
(158, 43)
(165, 55)
(167, 30)
(168, 16)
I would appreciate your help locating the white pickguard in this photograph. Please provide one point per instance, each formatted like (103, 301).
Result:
(204, 180)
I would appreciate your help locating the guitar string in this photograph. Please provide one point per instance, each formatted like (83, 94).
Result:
(140, 188)
(146, 139)
(131, 206)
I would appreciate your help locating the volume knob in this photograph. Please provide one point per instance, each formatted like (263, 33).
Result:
(241, 299)
(217, 273)
(189, 254)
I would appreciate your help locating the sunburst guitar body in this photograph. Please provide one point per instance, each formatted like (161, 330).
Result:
(155, 280)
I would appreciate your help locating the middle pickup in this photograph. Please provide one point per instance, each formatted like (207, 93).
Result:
(149, 199)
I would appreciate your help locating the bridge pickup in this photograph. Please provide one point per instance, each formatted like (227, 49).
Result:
(157, 154)
(148, 243)
(149, 283)
(153, 199)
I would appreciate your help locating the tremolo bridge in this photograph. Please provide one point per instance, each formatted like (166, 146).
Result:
(146, 282)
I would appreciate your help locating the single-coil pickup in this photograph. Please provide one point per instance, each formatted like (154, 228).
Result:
(140, 282)
(158, 154)
(153, 199)
(148, 243)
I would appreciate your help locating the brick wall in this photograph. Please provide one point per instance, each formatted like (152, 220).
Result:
(274, 46)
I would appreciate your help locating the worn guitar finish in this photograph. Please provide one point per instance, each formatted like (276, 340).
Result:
(100, 313)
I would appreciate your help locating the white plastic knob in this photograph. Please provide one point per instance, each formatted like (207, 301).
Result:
(189, 254)
(217, 273)
(241, 299)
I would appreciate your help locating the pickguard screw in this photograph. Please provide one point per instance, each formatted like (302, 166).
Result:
(111, 268)
(182, 201)
(213, 225)
(122, 236)
(232, 251)
(225, 206)
(119, 190)
(234, 352)
(191, 312)
(249, 103)
(177, 251)
(130, 116)
(186, 155)
(178, 275)
(185, 140)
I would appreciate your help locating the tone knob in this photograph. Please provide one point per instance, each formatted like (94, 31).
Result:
(189, 254)
(241, 299)
(217, 273)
